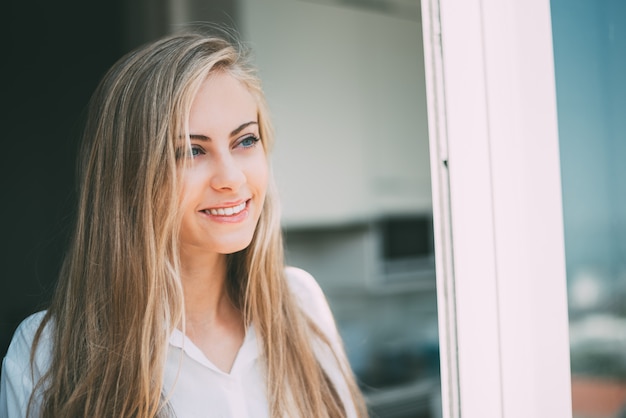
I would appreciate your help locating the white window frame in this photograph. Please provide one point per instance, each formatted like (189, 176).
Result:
(497, 209)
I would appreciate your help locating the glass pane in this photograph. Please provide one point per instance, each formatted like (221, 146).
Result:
(590, 60)
(345, 83)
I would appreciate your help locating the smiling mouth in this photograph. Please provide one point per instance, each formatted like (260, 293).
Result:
(233, 210)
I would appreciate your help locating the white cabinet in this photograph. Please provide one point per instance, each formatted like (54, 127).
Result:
(345, 87)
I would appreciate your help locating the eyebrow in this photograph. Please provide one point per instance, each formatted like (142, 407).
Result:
(233, 133)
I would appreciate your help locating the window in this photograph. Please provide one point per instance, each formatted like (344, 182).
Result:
(590, 64)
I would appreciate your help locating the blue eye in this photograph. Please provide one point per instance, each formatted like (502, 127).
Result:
(249, 141)
(195, 151)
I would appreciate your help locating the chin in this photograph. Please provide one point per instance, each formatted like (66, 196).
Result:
(234, 247)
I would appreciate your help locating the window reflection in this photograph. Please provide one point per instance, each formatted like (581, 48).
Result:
(589, 44)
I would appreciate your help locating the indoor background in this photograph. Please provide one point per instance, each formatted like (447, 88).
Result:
(345, 85)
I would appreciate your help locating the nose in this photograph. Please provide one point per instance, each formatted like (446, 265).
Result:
(226, 173)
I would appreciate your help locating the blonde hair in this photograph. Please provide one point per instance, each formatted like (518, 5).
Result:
(119, 294)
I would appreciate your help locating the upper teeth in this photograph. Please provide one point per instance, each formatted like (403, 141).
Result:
(228, 211)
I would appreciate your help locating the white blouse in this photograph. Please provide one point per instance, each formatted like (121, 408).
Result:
(193, 385)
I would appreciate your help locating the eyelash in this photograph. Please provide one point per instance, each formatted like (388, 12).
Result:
(255, 139)
(196, 148)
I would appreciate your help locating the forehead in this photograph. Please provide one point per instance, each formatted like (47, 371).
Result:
(222, 102)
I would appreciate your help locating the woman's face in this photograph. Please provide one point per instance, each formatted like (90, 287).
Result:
(224, 186)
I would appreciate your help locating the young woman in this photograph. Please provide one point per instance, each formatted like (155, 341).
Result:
(173, 299)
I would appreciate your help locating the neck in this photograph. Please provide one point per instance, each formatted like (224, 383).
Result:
(212, 321)
(204, 288)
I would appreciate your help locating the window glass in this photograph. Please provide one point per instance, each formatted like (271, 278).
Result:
(590, 63)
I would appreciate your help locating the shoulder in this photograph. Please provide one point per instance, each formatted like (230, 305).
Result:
(18, 378)
(302, 283)
(22, 341)
(332, 357)
(25, 332)
(311, 299)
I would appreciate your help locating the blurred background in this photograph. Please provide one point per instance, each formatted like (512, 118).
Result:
(345, 84)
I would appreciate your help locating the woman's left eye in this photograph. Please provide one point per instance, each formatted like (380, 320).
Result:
(248, 141)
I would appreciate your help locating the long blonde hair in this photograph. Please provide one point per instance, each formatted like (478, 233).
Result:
(119, 294)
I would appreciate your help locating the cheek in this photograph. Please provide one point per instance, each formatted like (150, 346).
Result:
(190, 191)
(263, 182)
(187, 187)
(259, 175)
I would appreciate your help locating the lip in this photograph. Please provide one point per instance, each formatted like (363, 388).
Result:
(239, 217)
(228, 204)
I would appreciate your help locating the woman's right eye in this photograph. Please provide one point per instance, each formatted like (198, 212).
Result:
(195, 151)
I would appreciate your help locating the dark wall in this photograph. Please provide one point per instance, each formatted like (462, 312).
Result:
(53, 56)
